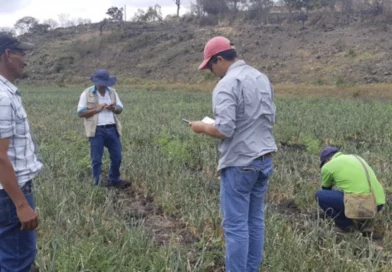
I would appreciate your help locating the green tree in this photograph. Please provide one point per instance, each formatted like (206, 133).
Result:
(305, 4)
(234, 4)
(291, 5)
(25, 24)
(152, 14)
(210, 7)
(215, 7)
(51, 22)
(116, 14)
(40, 28)
(197, 8)
(260, 9)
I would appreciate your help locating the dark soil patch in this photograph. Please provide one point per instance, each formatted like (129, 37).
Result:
(166, 229)
(295, 147)
(163, 228)
(290, 209)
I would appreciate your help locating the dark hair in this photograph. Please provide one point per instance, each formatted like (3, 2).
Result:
(227, 55)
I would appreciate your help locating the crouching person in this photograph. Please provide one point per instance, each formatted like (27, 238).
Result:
(357, 195)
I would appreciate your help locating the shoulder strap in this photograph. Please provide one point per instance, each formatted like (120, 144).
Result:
(366, 171)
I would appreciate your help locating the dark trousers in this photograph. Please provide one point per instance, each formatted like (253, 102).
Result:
(109, 138)
(332, 203)
(17, 247)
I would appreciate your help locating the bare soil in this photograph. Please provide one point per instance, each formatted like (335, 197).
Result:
(323, 51)
(163, 228)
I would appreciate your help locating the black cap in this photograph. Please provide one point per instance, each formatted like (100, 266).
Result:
(327, 153)
(7, 41)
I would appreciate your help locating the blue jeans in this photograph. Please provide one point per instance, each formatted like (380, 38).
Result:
(332, 203)
(109, 138)
(17, 247)
(242, 193)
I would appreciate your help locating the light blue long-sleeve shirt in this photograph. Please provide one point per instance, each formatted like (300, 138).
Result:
(244, 112)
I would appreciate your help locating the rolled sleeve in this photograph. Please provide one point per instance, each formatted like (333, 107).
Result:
(119, 105)
(225, 106)
(82, 106)
(6, 118)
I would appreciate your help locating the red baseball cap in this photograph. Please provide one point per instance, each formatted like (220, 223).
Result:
(213, 47)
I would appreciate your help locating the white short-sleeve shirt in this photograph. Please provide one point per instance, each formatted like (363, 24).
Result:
(105, 117)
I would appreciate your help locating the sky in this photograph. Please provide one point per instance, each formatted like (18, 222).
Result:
(95, 10)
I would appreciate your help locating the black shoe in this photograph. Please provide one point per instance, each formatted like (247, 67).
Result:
(121, 184)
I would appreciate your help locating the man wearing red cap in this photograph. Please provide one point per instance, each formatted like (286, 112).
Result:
(244, 114)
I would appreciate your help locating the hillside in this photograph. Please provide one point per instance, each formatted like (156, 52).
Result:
(318, 53)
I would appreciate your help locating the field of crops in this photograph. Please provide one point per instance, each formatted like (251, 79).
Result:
(170, 220)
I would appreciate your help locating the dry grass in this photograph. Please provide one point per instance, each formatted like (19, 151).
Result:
(84, 228)
(377, 91)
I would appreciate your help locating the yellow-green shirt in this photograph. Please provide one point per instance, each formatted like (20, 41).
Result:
(346, 173)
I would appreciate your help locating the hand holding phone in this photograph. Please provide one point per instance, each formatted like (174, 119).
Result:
(111, 107)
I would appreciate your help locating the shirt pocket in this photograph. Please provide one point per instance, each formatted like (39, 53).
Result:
(92, 101)
(21, 125)
(21, 115)
(91, 105)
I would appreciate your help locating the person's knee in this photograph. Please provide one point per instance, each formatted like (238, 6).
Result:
(318, 194)
(116, 160)
(235, 225)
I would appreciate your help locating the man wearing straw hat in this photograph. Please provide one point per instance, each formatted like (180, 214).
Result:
(100, 106)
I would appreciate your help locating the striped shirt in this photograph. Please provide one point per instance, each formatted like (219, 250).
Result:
(22, 151)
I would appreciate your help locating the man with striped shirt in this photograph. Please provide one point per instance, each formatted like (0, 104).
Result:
(18, 164)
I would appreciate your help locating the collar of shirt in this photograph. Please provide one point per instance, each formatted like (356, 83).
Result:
(337, 154)
(236, 64)
(11, 87)
(95, 89)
